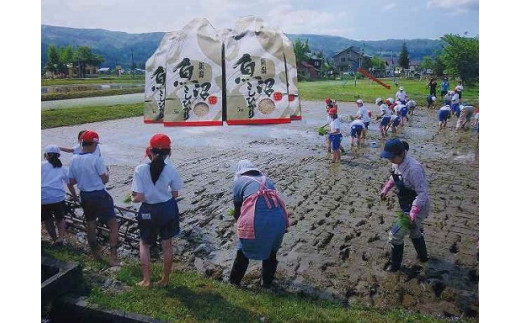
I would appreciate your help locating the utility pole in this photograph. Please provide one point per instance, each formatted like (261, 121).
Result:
(132, 51)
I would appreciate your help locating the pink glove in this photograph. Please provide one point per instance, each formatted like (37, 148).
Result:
(387, 188)
(414, 212)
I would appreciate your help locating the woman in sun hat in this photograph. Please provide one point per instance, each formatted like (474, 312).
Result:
(261, 222)
(53, 179)
(408, 176)
(156, 185)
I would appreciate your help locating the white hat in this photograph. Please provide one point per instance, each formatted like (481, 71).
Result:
(52, 149)
(379, 100)
(245, 166)
(359, 101)
(401, 88)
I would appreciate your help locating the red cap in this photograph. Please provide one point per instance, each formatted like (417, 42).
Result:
(333, 111)
(160, 141)
(90, 136)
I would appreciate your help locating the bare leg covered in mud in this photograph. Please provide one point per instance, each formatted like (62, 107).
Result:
(168, 260)
(92, 240)
(144, 255)
(112, 224)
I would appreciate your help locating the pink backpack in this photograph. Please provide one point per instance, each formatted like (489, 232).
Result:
(246, 221)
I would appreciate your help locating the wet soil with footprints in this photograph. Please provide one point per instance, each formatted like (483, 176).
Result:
(337, 245)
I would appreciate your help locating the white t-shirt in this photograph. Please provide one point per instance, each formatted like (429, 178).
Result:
(459, 88)
(385, 110)
(86, 169)
(455, 98)
(335, 125)
(168, 181)
(445, 108)
(363, 112)
(53, 181)
(77, 150)
(357, 122)
(398, 107)
(410, 103)
(400, 95)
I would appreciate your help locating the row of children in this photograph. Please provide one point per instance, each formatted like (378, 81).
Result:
(393, 114)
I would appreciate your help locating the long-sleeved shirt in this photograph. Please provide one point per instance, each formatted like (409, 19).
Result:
(414, 178)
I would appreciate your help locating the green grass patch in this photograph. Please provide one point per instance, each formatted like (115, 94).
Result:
(89, 93)
(71, 116)
(98, 80)
(190, 297)
(369, 91)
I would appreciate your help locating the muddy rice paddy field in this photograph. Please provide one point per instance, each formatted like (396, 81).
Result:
(337, 245)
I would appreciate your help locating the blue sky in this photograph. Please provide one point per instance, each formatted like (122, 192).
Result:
(358, 20)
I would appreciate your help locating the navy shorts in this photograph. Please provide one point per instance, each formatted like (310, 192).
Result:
(355, 131)
(54, 209)
(158, 219)
(385, 121)
(444, 115)
(97, 204)
(366, 124)
(404, 111)
(396, 122)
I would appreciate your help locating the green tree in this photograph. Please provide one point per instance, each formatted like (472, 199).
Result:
(84, 57)
(53, 59)
(426, 63)
(378, 63)
(404, 59)
(460, 57)
(301, 50)
(438, 66)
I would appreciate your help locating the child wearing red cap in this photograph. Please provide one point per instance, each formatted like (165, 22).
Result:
(335, 135)
(89, 172)
(77, 148)
(53, 178)
(156, 185)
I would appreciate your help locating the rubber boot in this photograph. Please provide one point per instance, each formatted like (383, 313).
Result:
(397, 258)
(239, 268)
(269, 269)
(420, 248)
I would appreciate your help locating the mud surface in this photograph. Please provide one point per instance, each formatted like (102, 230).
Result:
(337, 245)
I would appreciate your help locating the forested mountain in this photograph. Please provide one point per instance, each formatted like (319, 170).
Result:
(117, 47)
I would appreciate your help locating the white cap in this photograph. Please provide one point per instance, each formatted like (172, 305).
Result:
(52, 149)
(245, 166)
(401, 88)
(359, 101)
(379, 100)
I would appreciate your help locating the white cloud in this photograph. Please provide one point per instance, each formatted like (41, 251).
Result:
(389, 6)
(457, 5)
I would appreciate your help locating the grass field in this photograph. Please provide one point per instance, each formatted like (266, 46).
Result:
(53, 118)
(368, 90)
(339, 90)
(190, 297)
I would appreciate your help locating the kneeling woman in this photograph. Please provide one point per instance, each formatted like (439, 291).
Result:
(261, 222)
(156, 185)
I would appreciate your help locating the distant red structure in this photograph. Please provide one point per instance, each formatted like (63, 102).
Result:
(370, 76)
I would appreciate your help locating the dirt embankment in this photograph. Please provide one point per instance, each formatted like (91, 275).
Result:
(337, 245)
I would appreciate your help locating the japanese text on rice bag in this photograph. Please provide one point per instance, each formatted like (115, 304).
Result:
(256, 84)
(155, 79)
(194, 77)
